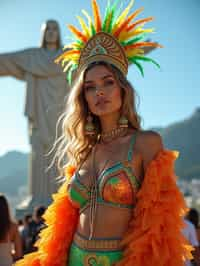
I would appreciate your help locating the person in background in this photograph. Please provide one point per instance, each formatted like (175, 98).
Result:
(10, 241)
(25, 234)
(193, 217)
(190, 233)
(20, 224)
(35, 226)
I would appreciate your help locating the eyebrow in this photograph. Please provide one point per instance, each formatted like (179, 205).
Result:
(104, 77)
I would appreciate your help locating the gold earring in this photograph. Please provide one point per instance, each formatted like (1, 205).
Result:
(123, 121)
(89, 126)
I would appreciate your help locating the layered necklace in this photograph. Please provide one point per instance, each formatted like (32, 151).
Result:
(105, 138)
(113, 134)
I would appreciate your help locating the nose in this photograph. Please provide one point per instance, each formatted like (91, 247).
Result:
(99, 91)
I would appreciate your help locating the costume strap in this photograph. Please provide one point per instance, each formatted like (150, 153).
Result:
(131, 147)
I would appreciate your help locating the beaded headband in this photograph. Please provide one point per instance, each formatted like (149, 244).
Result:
(116, 39)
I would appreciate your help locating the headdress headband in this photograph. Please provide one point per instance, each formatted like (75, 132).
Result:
(117, 39)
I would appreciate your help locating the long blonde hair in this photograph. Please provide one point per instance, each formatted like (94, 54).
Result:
(75, 145)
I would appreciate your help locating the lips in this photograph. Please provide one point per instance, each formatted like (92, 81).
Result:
(101, 101)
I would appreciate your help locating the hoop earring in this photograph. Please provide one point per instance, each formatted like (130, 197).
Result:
(89, 126)
(123, 122)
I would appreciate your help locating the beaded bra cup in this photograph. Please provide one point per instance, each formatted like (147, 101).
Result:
(117, 185)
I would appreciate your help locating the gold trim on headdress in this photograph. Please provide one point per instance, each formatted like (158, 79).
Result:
(117, 39)
(103, 47)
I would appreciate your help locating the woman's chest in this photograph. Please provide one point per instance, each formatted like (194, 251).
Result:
(108, 166)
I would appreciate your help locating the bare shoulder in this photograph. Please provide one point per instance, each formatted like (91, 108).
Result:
(150, 144)
(150, 139)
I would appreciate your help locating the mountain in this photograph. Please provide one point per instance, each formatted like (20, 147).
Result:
(13, 177)
(13, 162)
(184, 136)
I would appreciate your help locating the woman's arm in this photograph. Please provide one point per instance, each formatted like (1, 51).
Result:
(154, 235)
(17, 241)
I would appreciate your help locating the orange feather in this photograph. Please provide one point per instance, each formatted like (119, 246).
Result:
(144, 20)
(65, 54)
(78, 33)
(126, 22)
(142, 44)
(97, 17)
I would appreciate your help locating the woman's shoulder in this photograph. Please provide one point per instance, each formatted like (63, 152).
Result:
(149, 143)
(149, 139)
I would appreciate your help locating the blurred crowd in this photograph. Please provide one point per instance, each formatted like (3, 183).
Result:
(17, 238)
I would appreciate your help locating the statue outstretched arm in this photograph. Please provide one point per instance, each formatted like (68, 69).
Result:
(10, 65)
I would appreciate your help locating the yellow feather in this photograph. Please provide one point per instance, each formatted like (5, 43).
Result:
(133, 52)
(127, 35)
(108, 21)
(88, 18)
(84, 26)
(97, 15)
(69, 63)
(71, 45)
(123, 15)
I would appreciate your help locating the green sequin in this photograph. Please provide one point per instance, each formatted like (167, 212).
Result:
(80, 257)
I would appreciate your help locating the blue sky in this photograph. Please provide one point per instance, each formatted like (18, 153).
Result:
(166, 96)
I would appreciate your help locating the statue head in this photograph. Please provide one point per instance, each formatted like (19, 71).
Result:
(50, 34)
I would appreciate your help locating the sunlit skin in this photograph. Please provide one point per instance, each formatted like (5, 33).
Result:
(103, 96)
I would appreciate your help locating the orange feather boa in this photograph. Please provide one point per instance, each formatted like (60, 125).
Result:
(154, 236)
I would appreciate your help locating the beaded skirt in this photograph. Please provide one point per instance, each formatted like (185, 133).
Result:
(95, 252)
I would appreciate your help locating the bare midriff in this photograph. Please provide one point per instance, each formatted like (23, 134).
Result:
(110, 222)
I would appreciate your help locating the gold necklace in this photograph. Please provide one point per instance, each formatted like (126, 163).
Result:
(113, 134)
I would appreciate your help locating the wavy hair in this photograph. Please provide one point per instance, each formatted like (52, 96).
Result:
(75, 145)
(5, 221)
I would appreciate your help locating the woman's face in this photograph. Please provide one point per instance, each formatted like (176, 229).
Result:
(102, 91)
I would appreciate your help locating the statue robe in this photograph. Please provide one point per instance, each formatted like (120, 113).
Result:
(46, 92)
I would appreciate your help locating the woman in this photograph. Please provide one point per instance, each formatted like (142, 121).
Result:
(120, 204)
(193, 217)
(9, 236)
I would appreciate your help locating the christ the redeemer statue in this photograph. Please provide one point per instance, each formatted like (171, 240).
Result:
(46, 92)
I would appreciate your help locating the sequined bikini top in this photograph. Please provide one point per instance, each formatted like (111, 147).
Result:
(116, 186)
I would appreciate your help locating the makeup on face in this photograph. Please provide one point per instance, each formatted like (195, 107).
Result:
(101, 90)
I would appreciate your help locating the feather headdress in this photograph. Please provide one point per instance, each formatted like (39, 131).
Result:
(118, 38)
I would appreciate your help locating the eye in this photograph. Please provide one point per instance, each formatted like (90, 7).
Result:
(109, 82)
(89, 88)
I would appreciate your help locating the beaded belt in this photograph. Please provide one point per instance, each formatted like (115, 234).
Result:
(97, 244)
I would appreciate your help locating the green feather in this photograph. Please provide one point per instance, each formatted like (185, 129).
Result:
(147, 59)
(80, 43)
(93, 31)
(70, 72)
(134, 40)
(109, 29)
(133, 60)
(107, 13)
(115, 13)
